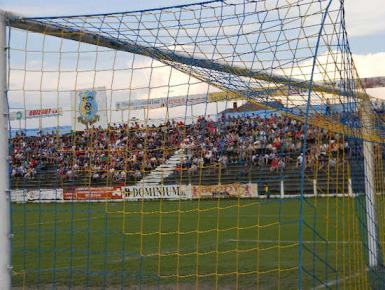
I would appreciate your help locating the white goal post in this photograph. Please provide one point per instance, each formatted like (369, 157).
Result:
(5, 218)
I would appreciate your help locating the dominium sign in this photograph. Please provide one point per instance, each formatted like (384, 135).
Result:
(156, 192)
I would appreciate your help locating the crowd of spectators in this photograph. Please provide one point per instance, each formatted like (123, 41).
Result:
(121, 151)
(28, 155)
(272, 142)
(118, 152)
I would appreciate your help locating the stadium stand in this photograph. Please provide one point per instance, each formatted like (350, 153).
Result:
(242, 150)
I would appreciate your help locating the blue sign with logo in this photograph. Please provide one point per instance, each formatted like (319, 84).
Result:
(88, 107)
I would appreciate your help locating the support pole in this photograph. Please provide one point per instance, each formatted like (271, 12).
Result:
(315, 192)
(350, 187)
(282, 191)
(5, 227)
(370, 204)
(371, 218)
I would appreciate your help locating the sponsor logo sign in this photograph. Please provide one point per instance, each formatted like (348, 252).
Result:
(223, 190)
(38, 113)
(19, 195)
(156, 103)
(24, 195)
(89, 108)
(156, 192)
(93, 193)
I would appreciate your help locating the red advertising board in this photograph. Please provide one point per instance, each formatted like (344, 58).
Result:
(93, 193)
(43, 112)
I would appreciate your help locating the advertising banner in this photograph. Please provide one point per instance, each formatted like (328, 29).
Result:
(38, 113)
(23, 195)
(45, 194)
(140, 192)
(156, 103)
(224, 191)
(93, 193)
(19, 195)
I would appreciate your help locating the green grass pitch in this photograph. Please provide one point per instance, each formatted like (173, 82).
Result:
(206, 244)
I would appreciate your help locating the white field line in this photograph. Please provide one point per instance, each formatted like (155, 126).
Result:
(63, 221)
(292, 241)
(59, 221)
(120, 215)
(336, 281)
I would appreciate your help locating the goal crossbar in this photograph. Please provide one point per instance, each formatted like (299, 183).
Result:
(170, 57)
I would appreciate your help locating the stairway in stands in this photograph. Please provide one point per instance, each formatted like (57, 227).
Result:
(156, 176)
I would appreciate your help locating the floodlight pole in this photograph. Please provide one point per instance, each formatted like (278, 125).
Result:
(5, 225)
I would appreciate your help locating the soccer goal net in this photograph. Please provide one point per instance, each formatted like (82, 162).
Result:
(216, 145)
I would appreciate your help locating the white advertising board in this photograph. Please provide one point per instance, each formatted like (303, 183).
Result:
(140, 192)
(156, 103)
(23, 195)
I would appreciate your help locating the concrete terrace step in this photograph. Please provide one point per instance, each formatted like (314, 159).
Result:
(164, 170)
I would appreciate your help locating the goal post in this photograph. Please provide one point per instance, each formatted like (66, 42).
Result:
(5, 214)
(370, 195)
(373, 243)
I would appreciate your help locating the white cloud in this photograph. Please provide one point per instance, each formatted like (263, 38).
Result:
(370, 65)
(377, 92)
(33, 10)
(364, 17)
